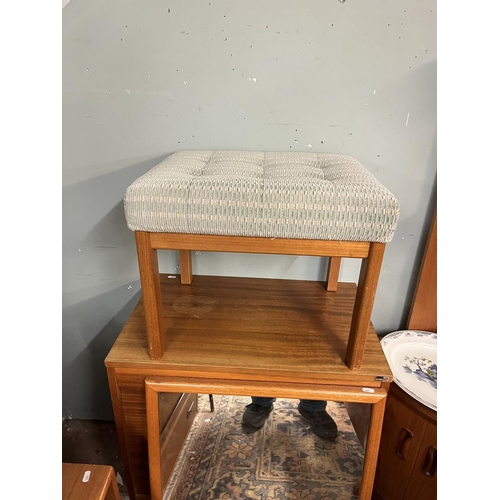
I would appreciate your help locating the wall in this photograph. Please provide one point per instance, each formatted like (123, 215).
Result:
(144, 79)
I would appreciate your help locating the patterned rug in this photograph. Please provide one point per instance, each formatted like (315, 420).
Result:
(284, 460)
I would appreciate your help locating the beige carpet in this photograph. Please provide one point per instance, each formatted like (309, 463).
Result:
(282, 461)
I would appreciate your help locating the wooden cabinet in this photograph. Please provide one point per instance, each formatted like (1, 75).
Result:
(407, 464)
(237, 336)
(177, 412)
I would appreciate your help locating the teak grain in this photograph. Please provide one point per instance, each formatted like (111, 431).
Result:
(252, 329)
(371, 254)
(245, 336)
(100, 482)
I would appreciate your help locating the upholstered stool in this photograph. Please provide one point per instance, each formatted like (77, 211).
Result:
(261, 202)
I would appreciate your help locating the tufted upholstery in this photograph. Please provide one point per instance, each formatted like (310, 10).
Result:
(279, 195)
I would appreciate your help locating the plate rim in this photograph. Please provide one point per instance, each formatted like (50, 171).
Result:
(406, 334)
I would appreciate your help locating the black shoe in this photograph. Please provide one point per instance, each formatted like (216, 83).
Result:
(255, 415)
(321, 423)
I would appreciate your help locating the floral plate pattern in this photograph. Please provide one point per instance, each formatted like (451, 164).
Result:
(412, 356)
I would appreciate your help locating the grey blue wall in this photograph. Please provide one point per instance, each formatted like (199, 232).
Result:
(142, 79)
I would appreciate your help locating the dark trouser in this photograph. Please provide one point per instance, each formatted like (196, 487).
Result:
(308, 404)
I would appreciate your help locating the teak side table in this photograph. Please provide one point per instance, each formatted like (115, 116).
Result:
(239, 336)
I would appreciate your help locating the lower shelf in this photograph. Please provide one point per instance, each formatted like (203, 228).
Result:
(174, 427)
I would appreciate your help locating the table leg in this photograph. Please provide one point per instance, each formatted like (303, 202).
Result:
(372, 449)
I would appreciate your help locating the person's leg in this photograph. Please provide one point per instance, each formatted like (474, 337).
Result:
(266, 402)
(311, 405)
(256, 412)
(321, 423)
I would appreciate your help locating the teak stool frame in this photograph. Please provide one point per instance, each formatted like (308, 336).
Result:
(149, 243)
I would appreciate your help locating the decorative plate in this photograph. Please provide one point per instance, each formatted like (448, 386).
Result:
(412, 356)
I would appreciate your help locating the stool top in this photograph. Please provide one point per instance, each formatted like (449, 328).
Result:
(319, 196)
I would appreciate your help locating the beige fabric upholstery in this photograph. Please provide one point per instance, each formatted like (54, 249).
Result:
(278, 195)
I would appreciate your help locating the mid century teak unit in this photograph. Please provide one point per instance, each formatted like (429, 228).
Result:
(243, 336)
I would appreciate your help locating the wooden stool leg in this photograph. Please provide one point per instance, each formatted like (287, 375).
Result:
(372, 449)
(151, 293)
(186, 267)
(332, 280)
(365, 297)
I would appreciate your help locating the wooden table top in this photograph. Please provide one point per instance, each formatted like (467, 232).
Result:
(89, 482)
(252, 329)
